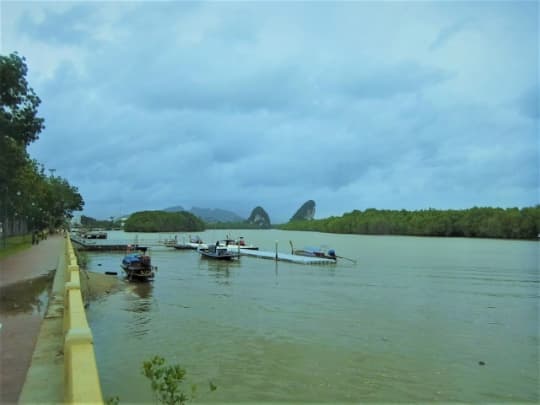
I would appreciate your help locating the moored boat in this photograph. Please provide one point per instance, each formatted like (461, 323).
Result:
(137, 264)
(218, 252)
(194, 242)
(235, 244)
(171, 242)
(311, 251)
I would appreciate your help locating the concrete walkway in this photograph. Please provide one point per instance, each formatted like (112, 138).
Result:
(22, 320)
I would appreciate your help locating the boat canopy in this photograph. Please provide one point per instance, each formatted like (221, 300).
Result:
(132, 258)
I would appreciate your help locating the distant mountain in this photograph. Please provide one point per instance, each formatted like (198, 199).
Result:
(209, 214)
(259, 217)
(215, 215)
(174, 209)
(305, 212)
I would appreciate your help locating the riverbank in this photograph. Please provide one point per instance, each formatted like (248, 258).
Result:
(97, 285)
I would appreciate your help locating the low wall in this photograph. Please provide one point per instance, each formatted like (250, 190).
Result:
(81, 379)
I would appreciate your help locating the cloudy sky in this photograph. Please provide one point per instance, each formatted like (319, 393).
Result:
(237, 104)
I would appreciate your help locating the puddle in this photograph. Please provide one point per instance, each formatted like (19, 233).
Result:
(27, 296)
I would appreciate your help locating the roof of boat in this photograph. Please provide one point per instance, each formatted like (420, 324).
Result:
(131, 257)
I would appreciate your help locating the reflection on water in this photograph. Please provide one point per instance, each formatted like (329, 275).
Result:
(27, 296)
(222, 271)
(142, 289)
(139, 299)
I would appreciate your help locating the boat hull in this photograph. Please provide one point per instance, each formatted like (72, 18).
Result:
(138, 273)
(309, 253)
(218, 254)
(190, 245)
(138, 266)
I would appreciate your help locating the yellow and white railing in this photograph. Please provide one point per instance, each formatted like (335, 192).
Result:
(81, 378)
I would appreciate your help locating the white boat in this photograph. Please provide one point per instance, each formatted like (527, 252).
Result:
(233, 245)
(195, 242)
(191, 245)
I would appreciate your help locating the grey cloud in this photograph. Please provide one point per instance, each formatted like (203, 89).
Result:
(389, 81)
(183, 97)
(447, 33)
(529, 103)
(71, 26)
(249, 91)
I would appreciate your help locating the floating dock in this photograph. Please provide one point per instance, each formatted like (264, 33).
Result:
(285, 257)
(82, 244)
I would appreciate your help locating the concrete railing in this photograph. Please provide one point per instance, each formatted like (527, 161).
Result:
(81, 379)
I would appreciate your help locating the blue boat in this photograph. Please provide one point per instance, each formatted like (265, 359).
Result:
(137, 264)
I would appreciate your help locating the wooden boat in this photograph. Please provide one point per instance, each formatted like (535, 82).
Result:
(218, 253)
(137, 264)
(311, 251)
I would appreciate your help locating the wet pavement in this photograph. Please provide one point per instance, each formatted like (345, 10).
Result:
(25, 282)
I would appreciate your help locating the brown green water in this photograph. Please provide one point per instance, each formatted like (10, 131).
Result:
(415, 320)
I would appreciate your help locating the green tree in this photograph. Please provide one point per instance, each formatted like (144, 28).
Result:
(19, 123)
(27, 193)
(484, 222)
(162, 221)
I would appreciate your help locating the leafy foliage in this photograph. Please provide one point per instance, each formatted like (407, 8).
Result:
(27, 193)
(232, 225)
(19, 124)
(18, 102)
(166, 381)
(161, 221)
(512, 223)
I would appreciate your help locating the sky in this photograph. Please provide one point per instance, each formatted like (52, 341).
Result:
(233, 105)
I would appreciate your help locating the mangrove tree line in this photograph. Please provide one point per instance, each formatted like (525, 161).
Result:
(511, 223)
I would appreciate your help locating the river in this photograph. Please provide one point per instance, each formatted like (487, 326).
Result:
(414, 320)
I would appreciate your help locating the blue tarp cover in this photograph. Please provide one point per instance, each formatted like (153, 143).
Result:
(132, 258)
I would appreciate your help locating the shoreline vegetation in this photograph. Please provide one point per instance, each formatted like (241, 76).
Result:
(485, 222)
(476, 222)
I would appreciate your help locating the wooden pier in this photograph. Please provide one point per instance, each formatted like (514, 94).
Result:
(285, 257)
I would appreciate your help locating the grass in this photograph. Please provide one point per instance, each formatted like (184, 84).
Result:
(14, 244)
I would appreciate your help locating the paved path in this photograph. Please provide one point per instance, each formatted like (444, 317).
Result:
(22, 307)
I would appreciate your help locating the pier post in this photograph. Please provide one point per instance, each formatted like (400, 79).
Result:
(276, 250)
